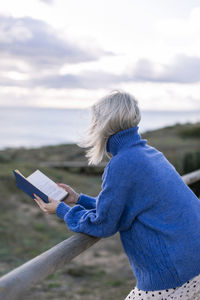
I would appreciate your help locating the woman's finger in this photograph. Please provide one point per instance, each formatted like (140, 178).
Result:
(65, 187)
(45, 210)
(38, 203)
(50, 200)
(39, 199)
(41, 207)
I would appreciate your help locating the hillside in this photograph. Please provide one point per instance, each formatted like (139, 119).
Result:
(25, 231)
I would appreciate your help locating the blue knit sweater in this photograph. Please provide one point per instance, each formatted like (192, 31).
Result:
(144, 199)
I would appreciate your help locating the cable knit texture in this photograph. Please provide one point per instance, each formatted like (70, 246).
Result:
(144, 199)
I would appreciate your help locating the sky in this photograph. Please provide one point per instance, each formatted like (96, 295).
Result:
(68, 54)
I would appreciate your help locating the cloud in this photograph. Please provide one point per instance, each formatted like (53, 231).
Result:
(47, 1)
(183, 69)
(30, 46)
(37, 44)
(84, 80)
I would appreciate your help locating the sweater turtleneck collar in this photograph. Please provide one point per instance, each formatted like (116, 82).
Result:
(123, 139)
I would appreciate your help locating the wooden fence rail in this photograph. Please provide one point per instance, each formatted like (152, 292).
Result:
(71, 164)
(14, 284)
(191, 177)
(76, 166)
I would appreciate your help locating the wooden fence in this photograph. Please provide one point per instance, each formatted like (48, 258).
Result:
(14, 284)
(76, 166)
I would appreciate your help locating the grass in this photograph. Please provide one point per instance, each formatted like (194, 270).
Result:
(102, 272)
(87, 271)
(191, 131)
(174, 145)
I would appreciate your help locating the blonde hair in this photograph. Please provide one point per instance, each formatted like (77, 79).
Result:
(115, 112)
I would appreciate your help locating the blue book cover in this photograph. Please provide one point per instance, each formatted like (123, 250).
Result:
(27, 187)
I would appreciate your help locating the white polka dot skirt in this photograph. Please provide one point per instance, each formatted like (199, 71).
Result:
(189, 290)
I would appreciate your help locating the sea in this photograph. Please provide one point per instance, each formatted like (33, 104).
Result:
(32, 127)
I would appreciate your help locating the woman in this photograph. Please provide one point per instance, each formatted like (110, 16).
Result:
(143, 198)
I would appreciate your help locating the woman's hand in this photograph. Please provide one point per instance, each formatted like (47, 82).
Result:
(50, 207)
(72, 196)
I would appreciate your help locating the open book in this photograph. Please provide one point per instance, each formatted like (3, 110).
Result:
(41, 185)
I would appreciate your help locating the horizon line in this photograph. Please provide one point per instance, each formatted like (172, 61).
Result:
(88, 108)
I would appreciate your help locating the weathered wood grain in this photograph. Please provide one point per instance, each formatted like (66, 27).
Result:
(191, 177)
(17, 282)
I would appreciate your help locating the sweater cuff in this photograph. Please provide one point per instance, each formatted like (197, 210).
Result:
(62, 209)
(85, 200)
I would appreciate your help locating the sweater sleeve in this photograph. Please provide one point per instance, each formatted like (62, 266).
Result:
(86, 201)
(104, 219)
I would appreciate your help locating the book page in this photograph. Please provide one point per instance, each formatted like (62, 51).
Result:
(17, 171)
(46, 185)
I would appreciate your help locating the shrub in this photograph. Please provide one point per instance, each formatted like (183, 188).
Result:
(191, 132)
(191, 162)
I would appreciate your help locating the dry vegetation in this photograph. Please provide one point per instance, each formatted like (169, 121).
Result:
(103, 271)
